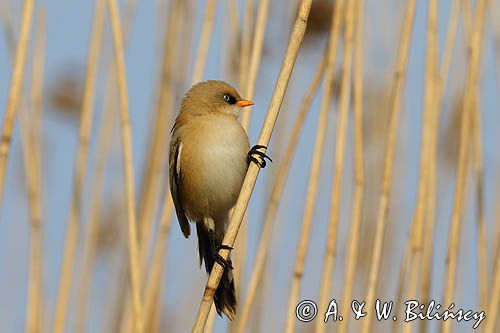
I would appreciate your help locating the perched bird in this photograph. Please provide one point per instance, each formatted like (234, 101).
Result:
(209, 156)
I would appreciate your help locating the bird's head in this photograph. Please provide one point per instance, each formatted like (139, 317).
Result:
(214, 96)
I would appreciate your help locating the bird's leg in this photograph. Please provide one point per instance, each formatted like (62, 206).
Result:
(257, 156)
(215, 251)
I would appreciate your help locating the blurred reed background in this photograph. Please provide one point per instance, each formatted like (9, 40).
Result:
(384, 183)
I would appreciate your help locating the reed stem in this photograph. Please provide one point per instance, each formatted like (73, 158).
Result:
(204, 43)
(429, 232)
(128, 160)
(86, 115)
(315, 168)
(275, 198)
(429, 142)
(16, 82)
(258, 42)
(472, 85)
(359, 177)
(253, 170)
(340, 147)
(394, 115)
(32, 158)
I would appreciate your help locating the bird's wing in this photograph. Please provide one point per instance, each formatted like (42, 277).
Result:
(175, 183)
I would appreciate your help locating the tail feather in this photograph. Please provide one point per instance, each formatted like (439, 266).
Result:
(225, 297)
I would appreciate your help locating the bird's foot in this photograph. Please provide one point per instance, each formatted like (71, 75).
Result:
(225, 263)
(224, 247)
(257, 156)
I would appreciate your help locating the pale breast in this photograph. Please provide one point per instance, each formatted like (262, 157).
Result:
(213, 164)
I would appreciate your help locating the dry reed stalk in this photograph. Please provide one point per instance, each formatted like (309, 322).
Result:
(472, 85)
(165, 103)
(275, 197)
(128, 161)
(482, 249)
(249, 86)
(429, 142)
(209, 327)
(496, 241)
(246, 40)
(253, 170)
(466, 12)
(183, 58)
(232, 45)
(157, 156)
(34, 302)
(204, 43)
(394, 114)
(69, 254)
(31, 143)
(37, 87)
(32, 158)
(403, 272)
(428, 240)
(31, 148)
(8, 26)
(105, 140)
(155, 169)
(494, 7)
(258, 42)
(155, 275)
(359, 178)
(90, 243)
(104, 145)
(16, 82)
(476, 135)
(233, 55)
(230, 35)
(494, 304)
(315, 168)
(340, 147)
(233, 17)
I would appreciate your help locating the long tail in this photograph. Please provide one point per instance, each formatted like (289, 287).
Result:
(225, 297)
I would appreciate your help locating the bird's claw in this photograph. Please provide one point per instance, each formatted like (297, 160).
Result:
(223, 262)
(224, 247)
(257, 156)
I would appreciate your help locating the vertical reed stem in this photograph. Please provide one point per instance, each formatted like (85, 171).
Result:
(494, 304)
(340, 146)
(86, 115)
(428, 240)
(155, 274)
(204, 43)
(258, 42)
(16, 82)
(315, 168)
(277, 191)
(472, 85)
(246, 40)
(359, 178)
(33, 165)
(89, 247)
(429, 141)
(128, 160)
(394, 109)
(249, 89)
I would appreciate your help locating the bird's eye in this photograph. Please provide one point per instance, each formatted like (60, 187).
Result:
(230, 99)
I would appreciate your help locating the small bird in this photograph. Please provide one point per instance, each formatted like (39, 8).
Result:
(209, 157)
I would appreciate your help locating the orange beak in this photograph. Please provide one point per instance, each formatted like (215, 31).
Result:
(243, 102)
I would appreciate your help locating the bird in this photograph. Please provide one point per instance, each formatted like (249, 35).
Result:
(208, 160)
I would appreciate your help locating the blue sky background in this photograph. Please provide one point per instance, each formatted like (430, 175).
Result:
(68, 29)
